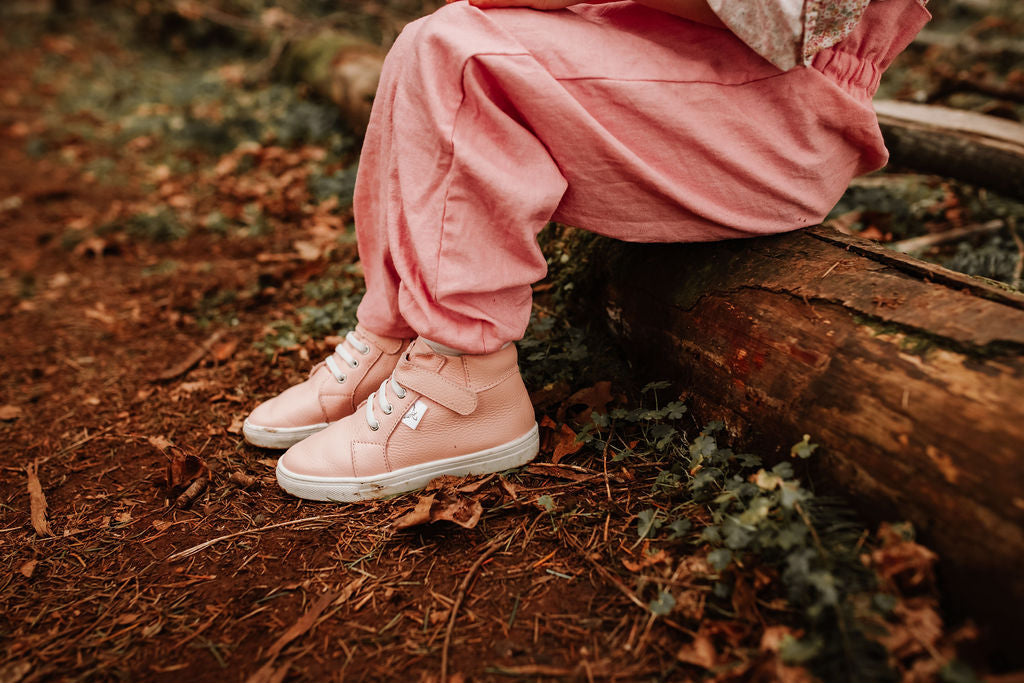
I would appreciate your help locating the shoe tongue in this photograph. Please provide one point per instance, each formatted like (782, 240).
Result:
(420, 353)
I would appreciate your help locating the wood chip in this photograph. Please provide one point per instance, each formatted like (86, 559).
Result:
(37, 501)
(9, 412)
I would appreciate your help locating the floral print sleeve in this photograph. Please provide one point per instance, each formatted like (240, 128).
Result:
(790, 32)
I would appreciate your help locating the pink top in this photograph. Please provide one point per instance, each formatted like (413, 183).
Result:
(790, 32)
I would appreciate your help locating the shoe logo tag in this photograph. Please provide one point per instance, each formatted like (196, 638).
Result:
(414, 414)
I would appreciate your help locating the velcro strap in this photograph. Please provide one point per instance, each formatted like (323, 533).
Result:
(435, 387)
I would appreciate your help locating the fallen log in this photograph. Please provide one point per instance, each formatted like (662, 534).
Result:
(910, 377)
(978, 149)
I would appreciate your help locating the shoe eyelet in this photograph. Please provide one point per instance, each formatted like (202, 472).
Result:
(373, 429)
(341, 380)
(388, 410)
(365, 350)
(401, 395)
(355, 363)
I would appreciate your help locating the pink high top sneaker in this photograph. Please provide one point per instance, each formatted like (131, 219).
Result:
(435, 415)
(333, 390)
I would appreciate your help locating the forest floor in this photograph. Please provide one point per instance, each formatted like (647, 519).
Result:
(177, 246)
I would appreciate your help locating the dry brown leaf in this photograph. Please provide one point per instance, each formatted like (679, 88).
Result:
(9, 412)
(565, 444)
(236, 427)
(267, 673)
(183, 468)
(645, 561)
(460, 510)
(28, 568)
(224, 350)
(915, 626)
(701, 652)
(159, 442)
(511, 489)
(900, 559)
(37, 501)
(562, 472)
(594, 398)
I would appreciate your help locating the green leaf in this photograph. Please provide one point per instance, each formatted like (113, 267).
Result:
(676, 409)
(654, 386)
(662, 605)
(546, 502)
(803, 449)
(647, 523)
(720, 558)
(795, 651)
(680, 527)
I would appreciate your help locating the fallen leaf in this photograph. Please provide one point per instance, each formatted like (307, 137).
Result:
(236, 427)
(37, 501)
(123, 517)
(460, 510)
(594, 398)
(266, 673)
(645, 561)
(159, 442)
(565, 444)
(9, 412)
(559, 472)
(183, 468)
(900, 558)
(28, 568)
(224, 350)
(701, 652)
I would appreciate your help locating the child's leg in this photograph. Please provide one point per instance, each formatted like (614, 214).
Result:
(616, 118)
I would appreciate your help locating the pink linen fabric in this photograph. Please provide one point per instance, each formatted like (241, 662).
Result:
(615, 118)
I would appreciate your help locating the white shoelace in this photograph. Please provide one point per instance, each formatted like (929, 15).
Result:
(350, 360)
(382, 401)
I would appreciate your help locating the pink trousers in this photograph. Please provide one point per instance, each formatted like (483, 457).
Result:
(615, 118)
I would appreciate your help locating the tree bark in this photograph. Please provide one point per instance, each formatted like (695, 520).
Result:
(910, 376)
(978, 149)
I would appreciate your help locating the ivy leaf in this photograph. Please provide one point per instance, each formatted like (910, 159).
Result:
(654, 386)
(647, 523)
(795, 651)
(679, 528)
(662, 605)
(720, 559)
(803, 449)
(676, 410)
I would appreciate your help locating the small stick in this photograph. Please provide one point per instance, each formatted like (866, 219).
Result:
(181, 554)
(459, 597)
(914, 244)
(194, 490)
(1018, 271)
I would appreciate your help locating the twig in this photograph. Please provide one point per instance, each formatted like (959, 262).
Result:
(460, 596)
(192, 359)
(181, 554)
(608, 576)
(915, 244)
(1018, 270)
(194, 490)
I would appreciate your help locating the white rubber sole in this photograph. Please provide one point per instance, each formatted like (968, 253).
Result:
(515, 453)
(278, 437)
